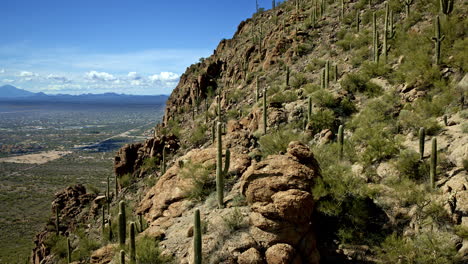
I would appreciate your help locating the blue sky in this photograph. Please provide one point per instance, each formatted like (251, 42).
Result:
(122, 46)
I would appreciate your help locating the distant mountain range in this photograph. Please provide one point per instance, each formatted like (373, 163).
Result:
(11, 93)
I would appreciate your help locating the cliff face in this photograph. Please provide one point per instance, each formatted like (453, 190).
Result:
(342, 172)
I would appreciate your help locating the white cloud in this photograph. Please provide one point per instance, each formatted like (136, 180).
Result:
(8, 80)
(28, 74)
(165, 77)
(100, 76)
(2, 71)
(58, 78)
(134, 76)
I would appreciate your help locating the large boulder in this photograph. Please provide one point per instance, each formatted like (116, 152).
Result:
(278, 189)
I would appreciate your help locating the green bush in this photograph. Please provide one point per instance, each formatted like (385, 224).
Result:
(198, 135)
(322, 119)
(202, 182)
(298, 80)
(234, 220)
(310, 88)
(150, 163)
(409, 165)
(86, 245)
(428, 247)
(409, 120)
(148, 251)
(57, 244)
(277, 141)
(358, 82)
(323, 98)
(283, 97)
(125, 180)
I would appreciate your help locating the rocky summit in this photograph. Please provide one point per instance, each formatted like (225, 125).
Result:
(323, 131)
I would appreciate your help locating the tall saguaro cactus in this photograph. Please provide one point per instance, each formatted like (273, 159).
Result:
(122, 223)
(309, 109)
(197, 239)
(375, 38)
(341, 139)
(389, 31)
(257, 89)
(122, 257)
(163, 161)
(264, 112)
(219, 169)
(433, 173)
(288, 72)
(327, 74)
(132, 243)
(422, 138)
(358, 21)
(69, 251)
(57, 221)
(438, 38)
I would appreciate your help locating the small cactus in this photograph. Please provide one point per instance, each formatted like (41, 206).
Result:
(445, 120)
(132, 243)
(341, 140)
(422, 136)
(219, 164)
(433, 173)
(438, 38)
(197, 239)
(264, 112)
(69, 251)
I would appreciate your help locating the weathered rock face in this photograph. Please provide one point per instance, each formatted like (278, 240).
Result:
(130, 157)
(70, 203)
(279, 192)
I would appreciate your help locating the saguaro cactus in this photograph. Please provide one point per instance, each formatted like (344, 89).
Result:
(69, 252)
(227, 161)
(273, 4)
(446, 6)
(163, 161)
(219, 164)
(376, 38)
(341, 140)
(433, 173)
(408, 4)
(197, 239)
(358, 21)
(389, 31)
(342, 10)
(327, 74)
(287, 75)
(264, 112)
(422, 138)
(122, 223)
(132, 243)
(438, 38)
(57, 221)
(116, 183)
(111, 234)
(257, 89)
(122, 257)
(309, 109)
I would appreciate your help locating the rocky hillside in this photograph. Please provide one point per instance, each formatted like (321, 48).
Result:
(322, 132)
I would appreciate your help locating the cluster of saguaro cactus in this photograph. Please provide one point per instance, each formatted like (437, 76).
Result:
(122, 223)
(438, 38)
(422, 138)
(264, 111)
(219, 164)
(197, 239)
(341, 140)
(446, 6)
(433, 173)
(132, 243)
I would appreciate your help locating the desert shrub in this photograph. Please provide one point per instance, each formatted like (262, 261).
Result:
(358, 82)
(315, 64)
(298, 80)
(198, 135)
(350, 41)
(239, 200)
(409, 165)
(150, 163)
(234, 220)
(409, 120)
(277, 141)
(202, 182)
(461, 231)
(85, 245)
(372, 69)
(323, 98)
(237, 96)
(148, 251)
(57, 244)
(310, 88)
(406, 192)
(125, 180)
(322, 119)
(304, 49)
(460, 54)
(283, 97)
(464, 128)
(172, 127)
(465, 164)
(427, 247)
